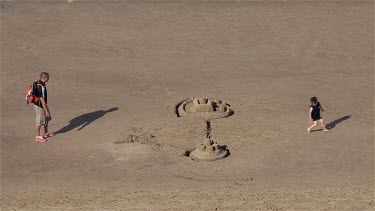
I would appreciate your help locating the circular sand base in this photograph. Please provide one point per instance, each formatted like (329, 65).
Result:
(203, 108)
(208, 152)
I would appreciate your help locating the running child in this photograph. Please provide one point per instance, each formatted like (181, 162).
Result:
(314, 114)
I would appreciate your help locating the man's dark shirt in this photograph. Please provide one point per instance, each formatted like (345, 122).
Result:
(41, 91)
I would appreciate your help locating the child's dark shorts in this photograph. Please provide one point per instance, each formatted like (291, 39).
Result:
(316, 118)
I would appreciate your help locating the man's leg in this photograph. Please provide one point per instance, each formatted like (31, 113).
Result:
(39, 123)
(46, 124)
(37, 120)
(37, 130)
(46, 127)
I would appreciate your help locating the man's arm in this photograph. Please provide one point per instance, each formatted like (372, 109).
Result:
(45, 107)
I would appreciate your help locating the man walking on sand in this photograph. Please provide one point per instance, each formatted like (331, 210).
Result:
(43, 114)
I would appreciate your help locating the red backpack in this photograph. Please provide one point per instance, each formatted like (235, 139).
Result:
(30, 94)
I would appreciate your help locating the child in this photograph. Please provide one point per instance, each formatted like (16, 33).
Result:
(314, 114)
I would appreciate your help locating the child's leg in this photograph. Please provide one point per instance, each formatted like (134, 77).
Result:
(322, 123)
(312, 126)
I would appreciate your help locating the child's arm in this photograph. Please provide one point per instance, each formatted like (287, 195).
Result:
(310, 111)
(321, 107)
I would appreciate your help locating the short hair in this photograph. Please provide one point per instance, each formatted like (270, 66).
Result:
(314, 99)
(44, 75)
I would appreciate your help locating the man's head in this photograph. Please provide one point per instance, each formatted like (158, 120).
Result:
(44, 77)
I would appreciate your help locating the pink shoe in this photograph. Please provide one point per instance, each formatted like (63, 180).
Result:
(49, 135)
(40, 139)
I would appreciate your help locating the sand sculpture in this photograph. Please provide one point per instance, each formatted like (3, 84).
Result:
(203, 108)
(207, 110)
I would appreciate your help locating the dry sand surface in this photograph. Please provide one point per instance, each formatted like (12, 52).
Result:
(118, 68)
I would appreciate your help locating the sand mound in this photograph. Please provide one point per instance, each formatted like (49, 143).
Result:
(208, 151)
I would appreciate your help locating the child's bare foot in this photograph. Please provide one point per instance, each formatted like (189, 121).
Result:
(326, 130)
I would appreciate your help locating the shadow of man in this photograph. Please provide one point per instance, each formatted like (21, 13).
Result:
(84, 120)
(337, 121)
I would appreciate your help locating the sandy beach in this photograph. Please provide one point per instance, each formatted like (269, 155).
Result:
(118, 69)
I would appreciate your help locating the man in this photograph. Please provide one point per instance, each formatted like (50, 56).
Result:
(43, 114)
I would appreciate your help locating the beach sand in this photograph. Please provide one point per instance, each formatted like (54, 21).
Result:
(117, 70)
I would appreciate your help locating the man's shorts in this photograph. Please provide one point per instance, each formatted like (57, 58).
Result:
(41, 118)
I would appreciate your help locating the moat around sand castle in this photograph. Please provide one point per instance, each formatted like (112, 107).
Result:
(207, 110)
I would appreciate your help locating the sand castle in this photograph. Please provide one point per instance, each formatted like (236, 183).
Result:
(208, 151)
(203, 108)
(206, 109)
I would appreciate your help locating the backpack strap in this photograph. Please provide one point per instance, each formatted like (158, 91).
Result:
(38, 84)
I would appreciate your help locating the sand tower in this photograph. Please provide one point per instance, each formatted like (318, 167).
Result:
(205, 109)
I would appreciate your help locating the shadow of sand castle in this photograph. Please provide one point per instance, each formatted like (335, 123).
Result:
(84, 120)
(337, 121)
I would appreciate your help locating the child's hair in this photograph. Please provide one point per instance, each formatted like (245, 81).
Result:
(313, 99)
